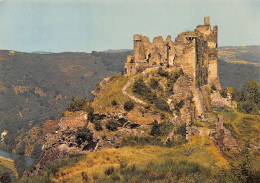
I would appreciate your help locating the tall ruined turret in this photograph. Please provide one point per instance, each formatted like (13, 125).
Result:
(195, 52)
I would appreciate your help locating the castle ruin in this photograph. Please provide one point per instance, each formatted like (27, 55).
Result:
(195, 52)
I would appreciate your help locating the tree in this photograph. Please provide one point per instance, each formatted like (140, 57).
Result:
(114, 103)
(77, 104)
(248, 98)
(98, 125)
(5, 178)
(83, 135)
(129, 105)
(251, 90)
(20, 165)
(112, 125)
(242, 169)
(162, 105)
(91, 115)
(154, 83)
(155, 129)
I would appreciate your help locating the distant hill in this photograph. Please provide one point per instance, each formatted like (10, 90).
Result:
(238, 64)
(240, 54)
(116, 51)
(35, 87)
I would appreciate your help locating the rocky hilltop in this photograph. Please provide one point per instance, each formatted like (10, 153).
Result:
(174, 92)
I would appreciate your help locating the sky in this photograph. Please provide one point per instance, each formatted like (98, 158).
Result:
(87, 25)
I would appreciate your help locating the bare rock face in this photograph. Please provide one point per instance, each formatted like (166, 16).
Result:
(73, 121)
(101, 86)
(218, 101)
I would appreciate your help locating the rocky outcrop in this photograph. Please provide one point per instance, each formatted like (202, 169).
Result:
(73, 121)
(218, 101)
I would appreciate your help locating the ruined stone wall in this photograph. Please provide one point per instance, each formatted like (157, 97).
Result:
(193, 51)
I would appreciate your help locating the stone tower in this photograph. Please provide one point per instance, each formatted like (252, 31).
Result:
(195, 52)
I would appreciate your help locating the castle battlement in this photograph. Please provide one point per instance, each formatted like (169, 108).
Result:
(195, 52)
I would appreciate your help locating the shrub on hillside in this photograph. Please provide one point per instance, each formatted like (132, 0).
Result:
(112, 125)
(179, 105)
(248, 98)
(163, 73)
(114, 103)
(213, 88)
(129, 105)
(76, 104)
(110, 170)
(162, 105)
(247, 107)
(91, 115)
(161, 129)
(154, 84)
(182, 130)
(141, 88)
(83, 135)
(98, 125)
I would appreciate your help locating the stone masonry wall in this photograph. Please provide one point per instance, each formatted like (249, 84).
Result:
(193, 51)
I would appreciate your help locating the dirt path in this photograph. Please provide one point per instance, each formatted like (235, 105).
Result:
(129, 82)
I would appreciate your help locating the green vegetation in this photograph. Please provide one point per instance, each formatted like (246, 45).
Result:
(98, 125)
(182, 130)
(129, 105)
(104, 101)
(154, 84)
(76, 104)
(20, 165)
(91, 115)
(83, 135)
(144, 91)
(248, 99)
(110, 170)
(141, 89)
(5, 178)
(179, 105)
(112, 125)
(140, 141)
(114, 103)
(162, 129)
(162, 104)
(235, 75)
(35, 179)
(7, 170)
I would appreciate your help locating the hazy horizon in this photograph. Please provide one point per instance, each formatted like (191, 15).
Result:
(88, 25)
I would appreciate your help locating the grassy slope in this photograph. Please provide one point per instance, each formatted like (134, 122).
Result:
(7, 165)
(113, 91)
(102, 103)
(94, 164)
